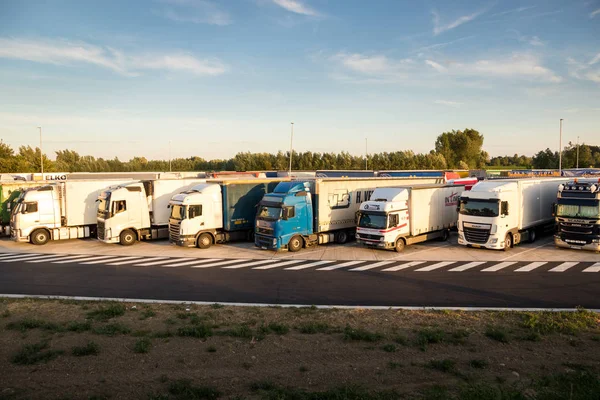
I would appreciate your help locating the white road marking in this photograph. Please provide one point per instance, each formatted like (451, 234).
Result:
(104, 260)
(467, 266)
(530, 267)
(435, 266)
(82, 259)
(371, 266)
(499, 266)
(338, 266)
(45, 258)
(217, 264)
(130, 261)
(593, 268)
(19, 256)
(192, 263)
(403, 266)
(163, 261)
(59, 257)
(563, 267)
(278, 264)
(30, 257)
(249, 264)
(304, 266)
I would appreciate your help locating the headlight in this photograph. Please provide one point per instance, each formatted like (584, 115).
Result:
(494, 241)
(357, 236)
(494, 229)
(381, 239)
(460, 236)
(274, 242)
(257, 223)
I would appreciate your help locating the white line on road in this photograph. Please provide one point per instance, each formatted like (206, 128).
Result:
(435, 266)
(593, 268)
(59, 257)
(499, 266)
(192, 263)
(338, 266)
(248, 264)
(19, 256)
(217, 264)
(403, 266)
(129, 260)
(371, 266)
(82, 259)
(527, 251)
(467, 266)
(24, 258)
(304, 266)
(530, 267)
(155, 261)
(563, 267)
(44, 258)
(278, 264)
(111, 259)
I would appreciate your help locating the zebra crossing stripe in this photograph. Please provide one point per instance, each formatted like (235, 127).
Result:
(28, 257)
(44, 258)
(155, 261)
(81, 259)
(65, 257)
(593, 268)
(248, 264)
(128, 260)
(17, 256)
(191, 263)
(104, 260)
(277, 264)
(499, 266)
(435, 266)
(467, 266)
(563, 267)
(403, 266)
(371, 266)
(304, 266)
(216, 264)
(530, 267)
(338, 266)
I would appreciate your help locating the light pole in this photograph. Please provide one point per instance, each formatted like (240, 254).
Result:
(41, 153)
(577, 167)
(170, 170)
(560, 150)
(366, 153)
(291, 147)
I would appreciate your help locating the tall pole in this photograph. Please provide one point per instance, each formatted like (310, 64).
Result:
(560, 150)
(291, 147)
(366, 154)
(577, 153)
(41, 153)
(170, 156)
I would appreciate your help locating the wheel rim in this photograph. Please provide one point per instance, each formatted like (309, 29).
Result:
(507, 241)
(128, 238)
(295, 243)
(205, 241)
(41, 237)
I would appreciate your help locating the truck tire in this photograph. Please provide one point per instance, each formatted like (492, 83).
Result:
(508, 242)
(341, 237)
(445, 235)
(127, 237)
(532, 236)
(400, 245)
(295, 244)
(205, 241)
(40, 237)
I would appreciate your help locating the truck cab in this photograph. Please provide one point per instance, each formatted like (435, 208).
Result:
(35, 215)
(578, 215)
(284, 218)
(122, 212)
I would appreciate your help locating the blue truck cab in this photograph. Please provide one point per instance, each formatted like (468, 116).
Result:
(284, 217)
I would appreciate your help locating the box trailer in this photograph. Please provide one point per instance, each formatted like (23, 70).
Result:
(398, 216)
(138, 210)
(502, 213)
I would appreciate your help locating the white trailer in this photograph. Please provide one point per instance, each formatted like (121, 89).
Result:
(500, 214)
(398, 216)
(138, 210)
(58, 211)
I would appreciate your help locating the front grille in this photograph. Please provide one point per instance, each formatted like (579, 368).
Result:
(576, 228)
(265, 231)
(100, 230)
(264, 241)
(174, 232)
(368, 236)
(473, 235)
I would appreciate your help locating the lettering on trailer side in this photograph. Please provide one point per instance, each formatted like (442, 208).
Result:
(452, 200)
(363, 196)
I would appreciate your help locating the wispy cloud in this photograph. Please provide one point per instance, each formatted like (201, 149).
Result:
(194, 11)
(448, 103)
(532, 40)
(297, 7)
(512, 11)
(378, 67)
(438, 67)
(589, 71)
(444, 44)
(438, 27)
(67, 53)
(594, 13)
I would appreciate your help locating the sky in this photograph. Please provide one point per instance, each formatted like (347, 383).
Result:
(212, 78)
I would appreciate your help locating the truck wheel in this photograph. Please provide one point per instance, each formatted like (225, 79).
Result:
(40, 237)
(532, 236)
(127, 237)
(445, 235)
(205, 241)
(400, 245)
(507, 242)
(295, 244)
(342, 237)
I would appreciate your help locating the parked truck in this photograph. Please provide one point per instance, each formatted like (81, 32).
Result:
(578, 215)
(395, 217)
(57, 211)
(322, 210)
(138, 210)
(217, 211)
(10, 191)
(502, 213)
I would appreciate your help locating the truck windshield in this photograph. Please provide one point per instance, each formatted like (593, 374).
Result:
(103, 206)
(373, 221)
(178, 212)
(268, 212)
(479, 208)
(568, 210)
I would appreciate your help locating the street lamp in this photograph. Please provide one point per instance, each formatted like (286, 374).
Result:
(577, 167)
(366, 154)
(560, 150)
(291, 147)
(41, 153)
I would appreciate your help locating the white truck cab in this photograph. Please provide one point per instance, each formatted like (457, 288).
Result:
(121, 211)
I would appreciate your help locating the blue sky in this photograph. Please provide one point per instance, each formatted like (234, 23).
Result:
(123, 78)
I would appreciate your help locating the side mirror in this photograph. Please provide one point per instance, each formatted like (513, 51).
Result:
(356, 217)
(285, 214)
(554, 208)
(504, 208)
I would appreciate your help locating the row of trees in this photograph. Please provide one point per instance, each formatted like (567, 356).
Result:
(453, 150)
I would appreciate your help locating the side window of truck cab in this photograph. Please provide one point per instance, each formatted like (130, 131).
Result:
(393, 220)
(29, 208)
(119, 206)
(195, 211)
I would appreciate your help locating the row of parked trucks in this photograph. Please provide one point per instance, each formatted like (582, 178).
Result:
(292, 213)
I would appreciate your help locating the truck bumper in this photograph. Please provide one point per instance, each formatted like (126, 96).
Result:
(16, 236)
(559, 242)
(184, 241)
(376, 244)
(109, 240)
(266, 242)
(493, 243)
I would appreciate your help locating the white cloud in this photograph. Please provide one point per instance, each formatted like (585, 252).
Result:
(519, 65)
(594, 13)
(377, 67)
(194, 11)
(436, 66)
(448, 103)
(535, 41)
(438, 27)
(296, 7)
(511, 11)
(62, 52)
(585, 71)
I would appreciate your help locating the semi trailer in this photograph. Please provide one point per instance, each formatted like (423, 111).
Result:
(57, 211)
(138, 210)
(395, 217)
(578, 215)
(500, 214)
(322, 210)
(217, 211)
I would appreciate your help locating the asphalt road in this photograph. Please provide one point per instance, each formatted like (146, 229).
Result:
(515, 284)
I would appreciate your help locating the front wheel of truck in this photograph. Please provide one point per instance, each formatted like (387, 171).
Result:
(400, 245)
(127, 237)
(508, 242)
(295, 244)
(40, 237)
(342, 237)
(205, 241)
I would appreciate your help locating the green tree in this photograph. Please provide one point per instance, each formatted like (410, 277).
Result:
(466, 146)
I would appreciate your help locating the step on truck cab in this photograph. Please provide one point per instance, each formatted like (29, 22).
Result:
(217, 211)
(578, 215)
(398, 216)
(138, 210)
(501, 213)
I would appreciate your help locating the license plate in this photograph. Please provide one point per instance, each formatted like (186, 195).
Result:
(575, 247)
(263, 247)
(476, 246)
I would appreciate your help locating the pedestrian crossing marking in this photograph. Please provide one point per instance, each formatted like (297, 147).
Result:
(593, 268)
(564, 266)
(530, 267)
(371, 266)
(403, 266)
(338, 266)
(435, 266)
(467, 266)
(499, 266)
